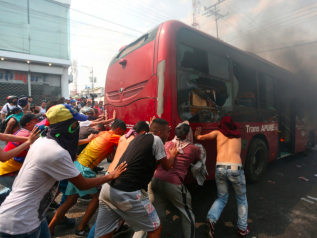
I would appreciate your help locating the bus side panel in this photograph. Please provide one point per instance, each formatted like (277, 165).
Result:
(141, 109)
(301, 138)
(258, 130)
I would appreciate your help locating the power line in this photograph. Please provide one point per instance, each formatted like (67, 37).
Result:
(272, 20)
(274, 29)
(45, 16)
(159, 10)
(123, 10)
(106, 20)
(286, 47)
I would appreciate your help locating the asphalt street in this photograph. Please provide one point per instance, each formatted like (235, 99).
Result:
(275, 209)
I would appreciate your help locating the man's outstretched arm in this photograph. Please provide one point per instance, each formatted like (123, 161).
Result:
(210, 136)
(84, 184)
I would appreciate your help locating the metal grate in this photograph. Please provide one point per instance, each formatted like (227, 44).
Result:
(12, 83)
(43, 86)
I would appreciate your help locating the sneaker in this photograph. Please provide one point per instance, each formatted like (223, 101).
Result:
(85, 198)
(97, 169)
(83, 233)
(209, 229)
(243, 233)
(53, 206)
(122, 229)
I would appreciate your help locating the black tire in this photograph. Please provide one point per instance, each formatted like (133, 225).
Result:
(256, 161)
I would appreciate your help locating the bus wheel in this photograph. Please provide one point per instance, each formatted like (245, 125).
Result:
(256, 161)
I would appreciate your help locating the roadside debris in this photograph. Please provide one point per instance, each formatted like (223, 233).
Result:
(306, 200)
(312, 198)
(298, 166)
(272, 182)
(303, 178)
(315, 175)
(280, 174)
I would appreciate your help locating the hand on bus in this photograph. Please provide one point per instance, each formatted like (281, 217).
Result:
(151, 119)
(197, 132)
(114, 114)
(106, 115)
(173, 151)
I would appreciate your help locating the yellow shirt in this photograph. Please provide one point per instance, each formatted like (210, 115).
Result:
(98, 149)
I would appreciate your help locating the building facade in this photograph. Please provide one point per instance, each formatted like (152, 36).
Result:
(34, 49)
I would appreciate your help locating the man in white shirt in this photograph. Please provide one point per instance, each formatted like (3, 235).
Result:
(67, 100)
(43, 108)
(48, 162)
(12, 102)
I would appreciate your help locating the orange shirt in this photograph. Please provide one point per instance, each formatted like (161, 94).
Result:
(98, 149)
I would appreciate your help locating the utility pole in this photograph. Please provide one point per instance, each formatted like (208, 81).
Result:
(91, 70)
(215, 12)
(74, 72)
(196, 10)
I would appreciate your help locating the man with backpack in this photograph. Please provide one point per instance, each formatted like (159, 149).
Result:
(11, 124)
(12, 101)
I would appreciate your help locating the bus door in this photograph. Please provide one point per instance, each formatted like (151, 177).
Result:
(286, 127)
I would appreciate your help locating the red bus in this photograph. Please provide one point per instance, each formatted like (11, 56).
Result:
(178, 73)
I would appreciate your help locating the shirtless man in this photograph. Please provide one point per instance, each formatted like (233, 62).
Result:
(228, 170)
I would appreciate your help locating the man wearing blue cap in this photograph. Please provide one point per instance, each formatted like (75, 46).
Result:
(47, 162)
(73, 103)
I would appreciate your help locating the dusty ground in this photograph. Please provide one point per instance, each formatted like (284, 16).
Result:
(275, 210)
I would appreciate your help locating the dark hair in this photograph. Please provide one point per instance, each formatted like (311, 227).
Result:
(101, 126)
(29, 96)
(157, 124)
(61, 100)
(118, 123)
(32, 108)
(141, 126)
(182, 131)
(51, 104)
(96, 111)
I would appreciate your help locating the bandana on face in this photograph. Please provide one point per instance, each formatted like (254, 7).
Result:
(64, 135)
(228, 128)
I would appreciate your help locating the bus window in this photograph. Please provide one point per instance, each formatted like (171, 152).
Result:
(202, 99)
(245, 90)
(202, 61)
(266, 92)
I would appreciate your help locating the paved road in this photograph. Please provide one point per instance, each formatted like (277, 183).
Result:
(275, 210)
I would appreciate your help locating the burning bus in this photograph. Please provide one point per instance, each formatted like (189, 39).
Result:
(178, 73)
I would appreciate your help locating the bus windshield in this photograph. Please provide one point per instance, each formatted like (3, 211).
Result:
(203, 85)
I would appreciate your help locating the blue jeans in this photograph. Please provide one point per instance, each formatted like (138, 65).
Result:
(92, 232)
(41, 232)
(7, 182)
(223, 178)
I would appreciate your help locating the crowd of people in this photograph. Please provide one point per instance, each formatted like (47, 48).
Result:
(55, 148)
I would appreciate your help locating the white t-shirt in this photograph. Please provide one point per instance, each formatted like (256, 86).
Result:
(4, 108)
(43, 111)
(84, 123)
(35, 186)
(158, 148)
